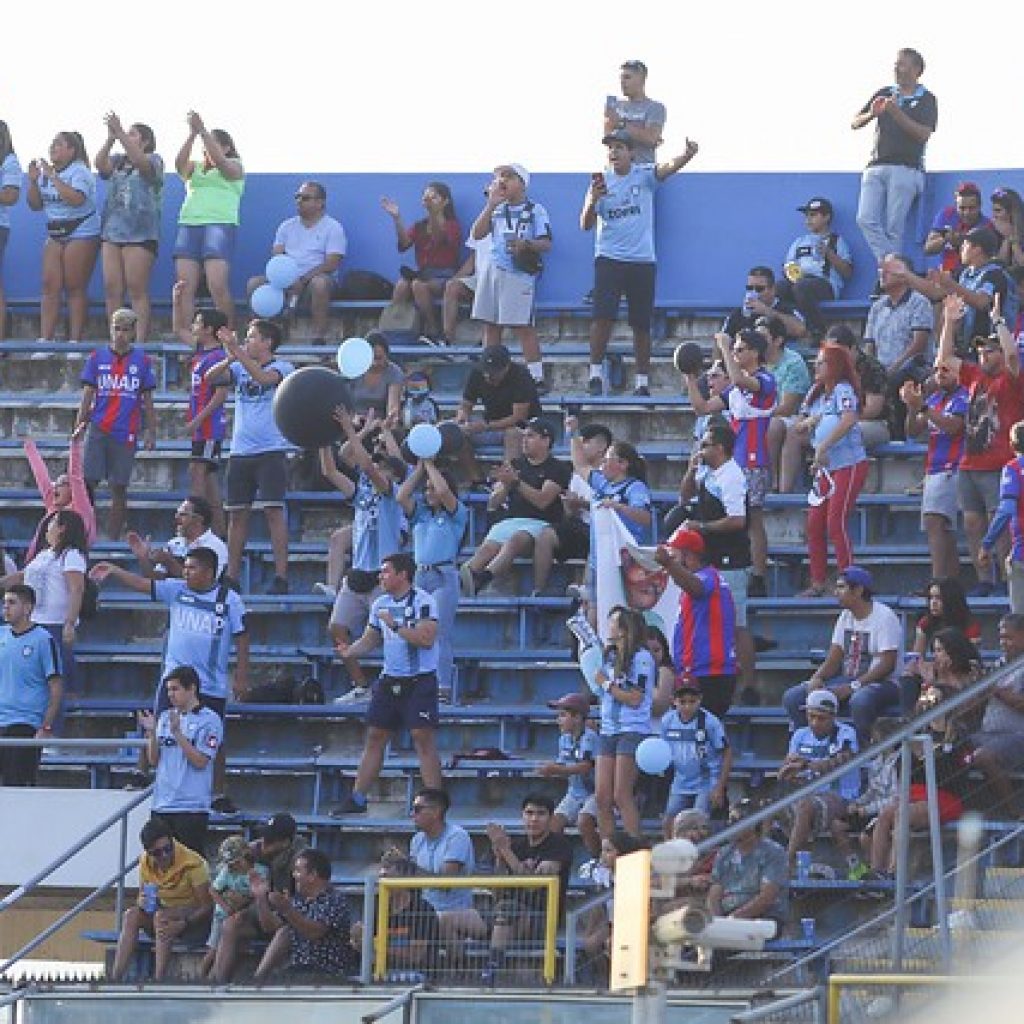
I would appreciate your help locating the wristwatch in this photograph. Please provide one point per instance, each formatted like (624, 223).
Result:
(855, 685)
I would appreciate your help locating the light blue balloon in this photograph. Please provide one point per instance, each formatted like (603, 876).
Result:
(424, 440)
(282, 271)
(591, 660)
(354, 357)
(653, 755)
(267, 300)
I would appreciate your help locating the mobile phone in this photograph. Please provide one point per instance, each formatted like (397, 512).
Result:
(610, 101)
(597, 178)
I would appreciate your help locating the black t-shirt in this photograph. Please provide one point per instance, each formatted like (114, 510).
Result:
(892, 144)
(535, 475)
(738, 321)
(498, 399)
(554, 847)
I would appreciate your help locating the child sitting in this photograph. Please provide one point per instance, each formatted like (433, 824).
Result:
(575, 762)
(230, 889)
(701, 755)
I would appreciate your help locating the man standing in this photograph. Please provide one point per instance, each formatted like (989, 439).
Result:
(641, 119)
(761, 299)
(861, 660)
(520, 232)
(181, 746)
(905, 115)
(704, 639)
(313, 926)
(257, 466)
(30, 686)
(620, 203)
(317, 243)
(819, 262)
(404, 620)
(192, 530)
(117, 396)
(899, 328)
(952, 224)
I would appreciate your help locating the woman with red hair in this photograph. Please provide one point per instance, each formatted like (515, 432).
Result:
(831, 416)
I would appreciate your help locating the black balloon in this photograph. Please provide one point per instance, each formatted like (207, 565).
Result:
(689, 357)
(452, 438)
(303, 404)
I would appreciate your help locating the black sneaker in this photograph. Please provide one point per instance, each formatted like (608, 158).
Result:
(758, 587)
(348, 806)
(764, 643)
(595, 386)
(223, 804)
(641, 391)
(137, 780)
(278, 585)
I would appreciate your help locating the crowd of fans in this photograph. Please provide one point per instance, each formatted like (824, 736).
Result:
(394, 574)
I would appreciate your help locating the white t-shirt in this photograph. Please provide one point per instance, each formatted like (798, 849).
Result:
(45, 575)
(482, 250)
(863, 639)
(179, 547)
(310, 246)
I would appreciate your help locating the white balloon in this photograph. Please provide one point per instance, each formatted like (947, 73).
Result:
(675, 857)
(354, 357)
(424, 440)
(653, 755)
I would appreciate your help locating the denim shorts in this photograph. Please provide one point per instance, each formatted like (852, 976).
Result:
(625, 743)
(200, 242)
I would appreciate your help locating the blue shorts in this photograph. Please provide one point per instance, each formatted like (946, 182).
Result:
(508, 528)
(404, 702)
(200, 242)
(625, 744)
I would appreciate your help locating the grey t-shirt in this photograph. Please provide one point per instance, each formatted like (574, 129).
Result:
(642, 114)
(132, 210)
(999, 716)
(374, 394)
(742, 875)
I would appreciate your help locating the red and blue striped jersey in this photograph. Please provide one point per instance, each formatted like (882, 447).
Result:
(201, 393)
(119, 381)
(750, 414)
(1011, 486)
(704, 641)
(944, 450)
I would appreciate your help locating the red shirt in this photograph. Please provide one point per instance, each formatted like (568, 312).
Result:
(437, 253)
(996, 404)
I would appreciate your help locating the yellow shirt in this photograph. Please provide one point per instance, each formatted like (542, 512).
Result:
(188, 872)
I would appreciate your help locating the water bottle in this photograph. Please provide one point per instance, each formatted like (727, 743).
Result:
(150, 901)
(807, 928)
(803, 865)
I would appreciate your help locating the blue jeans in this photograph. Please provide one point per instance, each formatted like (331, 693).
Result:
(443, 584)
(887, 192)
(867, 704)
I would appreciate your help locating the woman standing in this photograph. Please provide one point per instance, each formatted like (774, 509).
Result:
(437, 243)
(208, 221)
(438, 520)
(65, 189)
(57, 575)
(628, 677)
(10, 189)
(131, 217)
(839, 466)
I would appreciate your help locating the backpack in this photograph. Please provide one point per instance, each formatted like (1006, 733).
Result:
(365, 286)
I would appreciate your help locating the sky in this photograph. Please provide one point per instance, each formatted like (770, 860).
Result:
(460, 85)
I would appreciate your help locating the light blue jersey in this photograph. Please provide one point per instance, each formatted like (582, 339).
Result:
(28, 661)
(817, 748)
(179, 786)
(402, 658)
(431, 855)
(804, 252)
(255, 431)
(200, 630)
(437, 533)
(575, 750)
(80, 178)
(697, 750)
(625, 216)
(10, 177)
(527, 220)
(378, 525)
(849, 449)
(616, 717)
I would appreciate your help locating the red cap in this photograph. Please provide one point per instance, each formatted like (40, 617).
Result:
(686, 540)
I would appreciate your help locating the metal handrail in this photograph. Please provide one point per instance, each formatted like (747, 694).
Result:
(403, 1001)
(791, 1002)
(572, 917)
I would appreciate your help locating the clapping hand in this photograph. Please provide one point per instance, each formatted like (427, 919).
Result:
(195, 123)
(113, 123)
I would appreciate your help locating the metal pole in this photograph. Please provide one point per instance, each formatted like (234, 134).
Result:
(649, 1004)
(935, 834)
(369, 892)
(121, 861)
(902, 856)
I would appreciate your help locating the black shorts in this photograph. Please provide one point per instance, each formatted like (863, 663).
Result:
(615, 278)
(716, 693)
(207, 452)
(404, 702)
(265, 475)
(150, 245)
(573, 539)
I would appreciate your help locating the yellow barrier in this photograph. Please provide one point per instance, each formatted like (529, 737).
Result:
(547, 882)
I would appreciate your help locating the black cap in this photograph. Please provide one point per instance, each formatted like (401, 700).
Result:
(817, 204)
(539, 425)
(280, 826)
(984, 238)
(495, 358)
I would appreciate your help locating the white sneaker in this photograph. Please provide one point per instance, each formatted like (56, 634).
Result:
(357, 693)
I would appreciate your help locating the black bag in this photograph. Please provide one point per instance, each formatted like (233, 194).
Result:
(361, 581)
(364, 285)
(287, 690)
(58, 230)
(90, 600)
(528, 261)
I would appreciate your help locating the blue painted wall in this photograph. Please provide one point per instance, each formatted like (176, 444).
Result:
(711, 227)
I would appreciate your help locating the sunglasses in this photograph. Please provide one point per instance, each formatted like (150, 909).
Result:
(416, 808)
(759, 288)
(301, 198)
(161, 850)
